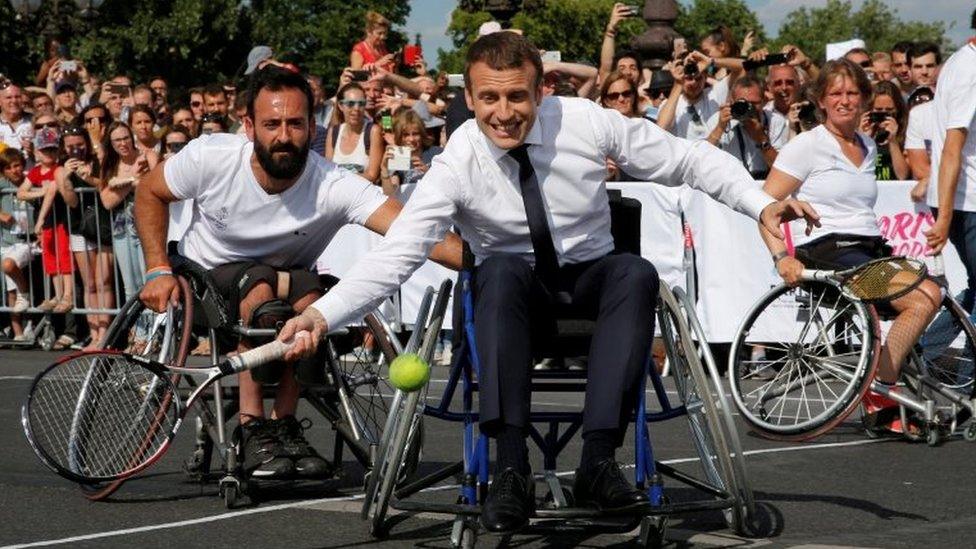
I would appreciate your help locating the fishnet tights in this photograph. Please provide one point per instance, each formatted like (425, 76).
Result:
(915, 312)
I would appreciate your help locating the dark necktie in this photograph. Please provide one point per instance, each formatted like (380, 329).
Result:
(546, 262)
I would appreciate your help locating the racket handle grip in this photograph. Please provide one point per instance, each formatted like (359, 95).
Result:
(814, 274)
(260, 355)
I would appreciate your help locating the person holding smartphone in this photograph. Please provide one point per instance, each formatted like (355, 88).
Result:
(410, 133)
(372, 49)
(91, 228)
(121, 170)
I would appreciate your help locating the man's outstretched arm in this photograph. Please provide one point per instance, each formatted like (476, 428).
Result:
(151, 212)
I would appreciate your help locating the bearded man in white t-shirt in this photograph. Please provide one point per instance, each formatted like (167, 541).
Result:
(262, 206)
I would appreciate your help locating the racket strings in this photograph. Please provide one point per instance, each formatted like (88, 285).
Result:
(100, 415)
(884, 279)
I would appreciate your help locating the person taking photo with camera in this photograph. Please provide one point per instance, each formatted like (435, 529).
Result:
(741, 128)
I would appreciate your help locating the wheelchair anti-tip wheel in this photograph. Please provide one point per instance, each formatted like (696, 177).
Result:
(802, 360)
(707, 423)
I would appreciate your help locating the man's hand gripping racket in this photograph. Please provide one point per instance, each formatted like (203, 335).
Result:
(104, 416)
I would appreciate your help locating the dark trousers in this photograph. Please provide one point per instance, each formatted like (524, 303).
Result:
(513, 311)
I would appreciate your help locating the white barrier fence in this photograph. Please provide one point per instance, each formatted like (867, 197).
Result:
(732, 264)
(22, 246)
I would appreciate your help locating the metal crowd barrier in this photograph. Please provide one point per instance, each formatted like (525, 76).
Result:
(39, 285)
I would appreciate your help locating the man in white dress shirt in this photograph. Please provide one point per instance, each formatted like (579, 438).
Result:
(524, 182)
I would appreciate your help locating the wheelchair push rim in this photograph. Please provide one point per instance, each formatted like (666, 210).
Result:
(721, 460)
(813, 376)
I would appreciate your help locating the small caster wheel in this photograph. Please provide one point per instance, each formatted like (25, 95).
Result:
(652, 532)
(230, 496)
(932, 436)
(231, 491)
(970, 433)
(46, 340)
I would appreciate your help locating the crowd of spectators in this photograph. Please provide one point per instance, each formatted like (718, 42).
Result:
(75, 143)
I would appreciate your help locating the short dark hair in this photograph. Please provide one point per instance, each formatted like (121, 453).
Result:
(924, 48)
(274, 78)
(10, 155)
(902, 47)
(214, 89)
(624, 54)
(749, 81)
(501, 51)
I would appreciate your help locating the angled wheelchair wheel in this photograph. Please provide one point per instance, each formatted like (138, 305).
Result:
(400, 450)
(802, 359)
(362, 387)
(946, 349)
(168, 342)
(706, 419)
(724, 408)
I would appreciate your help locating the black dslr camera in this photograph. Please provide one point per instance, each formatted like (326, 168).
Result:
(742, 109)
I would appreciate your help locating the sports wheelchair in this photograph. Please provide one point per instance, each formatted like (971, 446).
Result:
(352, 393)
(701, 401)
(804, 357)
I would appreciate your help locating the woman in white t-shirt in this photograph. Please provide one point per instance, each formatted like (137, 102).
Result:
(356, 143)
(833, 168)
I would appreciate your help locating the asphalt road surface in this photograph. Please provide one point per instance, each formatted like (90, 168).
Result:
(841, 490)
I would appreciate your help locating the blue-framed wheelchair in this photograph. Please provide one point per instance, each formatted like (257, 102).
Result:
(700, 399)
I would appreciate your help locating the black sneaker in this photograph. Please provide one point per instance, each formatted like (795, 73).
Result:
(308, 462)
(262, 454)
(510, 503)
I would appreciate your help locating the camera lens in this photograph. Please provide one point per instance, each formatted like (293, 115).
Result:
(691, 69)
(808, 113)
(741, 109)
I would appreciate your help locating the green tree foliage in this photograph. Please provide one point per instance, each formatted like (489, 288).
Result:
(573, 27)
(191, 42)
(695, 21)
(874, 22)
(319, 34)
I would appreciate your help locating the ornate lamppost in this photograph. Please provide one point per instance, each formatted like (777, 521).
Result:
(654, 44)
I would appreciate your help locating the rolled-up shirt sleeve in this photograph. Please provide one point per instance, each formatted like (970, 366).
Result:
(647, 152)
(422, 223)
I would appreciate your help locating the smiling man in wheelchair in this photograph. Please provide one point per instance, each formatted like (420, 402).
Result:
(525, 183)
(263, 211)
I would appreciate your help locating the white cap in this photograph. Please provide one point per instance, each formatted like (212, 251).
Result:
(490, 27)
(839, 49)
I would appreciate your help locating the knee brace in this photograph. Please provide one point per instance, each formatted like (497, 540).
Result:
(271, 315)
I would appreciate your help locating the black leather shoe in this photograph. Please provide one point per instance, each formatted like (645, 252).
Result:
(511, 500)
(605, 487)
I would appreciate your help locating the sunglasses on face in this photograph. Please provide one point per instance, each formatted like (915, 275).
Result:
(866, 64)
(175, 146)
(90, 119)
(353, 103)
(613, 96)
(196, 103)
(658, 94)
(53, 125)
(73, 130)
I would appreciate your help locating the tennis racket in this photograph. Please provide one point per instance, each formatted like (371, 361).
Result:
(105, 415)
(882, 279)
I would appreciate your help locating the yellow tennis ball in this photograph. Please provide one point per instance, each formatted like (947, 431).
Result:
(409, 372)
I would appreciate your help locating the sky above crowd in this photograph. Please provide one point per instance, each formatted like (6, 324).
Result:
(431, 17)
